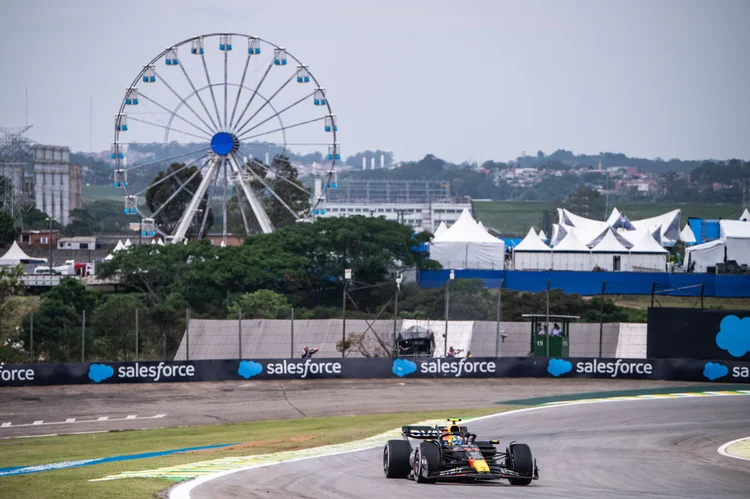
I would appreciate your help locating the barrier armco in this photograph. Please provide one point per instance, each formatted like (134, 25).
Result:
(278, 369)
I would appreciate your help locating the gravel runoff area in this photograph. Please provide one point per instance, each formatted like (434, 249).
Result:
(28, 411)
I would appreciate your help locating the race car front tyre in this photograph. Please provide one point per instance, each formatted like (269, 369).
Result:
(396, 459)
(519, 459)
(427, 460)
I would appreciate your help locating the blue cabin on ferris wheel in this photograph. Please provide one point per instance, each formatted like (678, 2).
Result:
(196, 46)
(279, 56)
(319, 97)
(225, 42)
(171, 58)
(303, 74)
(253, 45)
(149, 74)
(131, 97)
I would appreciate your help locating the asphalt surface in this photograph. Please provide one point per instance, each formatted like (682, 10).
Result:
(28, 411)
(652, 448)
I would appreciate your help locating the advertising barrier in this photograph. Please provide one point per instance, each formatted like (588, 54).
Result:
(277, 369)
(698, 334)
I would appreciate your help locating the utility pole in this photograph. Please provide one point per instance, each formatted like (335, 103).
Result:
(347, 278)
(601, 318)
(549, 282)
(395, 315)
(499, 317)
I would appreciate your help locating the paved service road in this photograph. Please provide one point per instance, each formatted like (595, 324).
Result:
(651, 448)
(108, 407)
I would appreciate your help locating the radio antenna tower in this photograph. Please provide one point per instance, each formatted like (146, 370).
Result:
(15, 150)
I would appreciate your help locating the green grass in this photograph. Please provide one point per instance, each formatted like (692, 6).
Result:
(91, 193)
(515, 217)
(255, 438)
(644, 301)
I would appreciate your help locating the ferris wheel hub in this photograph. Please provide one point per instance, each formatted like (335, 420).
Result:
(224, 143)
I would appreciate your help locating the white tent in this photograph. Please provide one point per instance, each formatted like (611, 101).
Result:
(15, 256)
(118, 247)
(160, 242)
(532, 254)
(647, 254)
(609, 252)
(687, 235)
(668, 225)
(571, 254)
(467, 246)
(128, 244)
(736, 237)
(745, 215)
(705, 255)
(441, 228)
(543, 236)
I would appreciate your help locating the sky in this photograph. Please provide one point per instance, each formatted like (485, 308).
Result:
(457, 79)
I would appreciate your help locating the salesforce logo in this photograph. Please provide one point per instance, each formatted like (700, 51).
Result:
(402, 367)
(248, 369)
(714, 371)
(734, 335)
(100, 372)
(558, 367)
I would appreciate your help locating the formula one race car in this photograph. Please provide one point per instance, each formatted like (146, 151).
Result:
(453, 453)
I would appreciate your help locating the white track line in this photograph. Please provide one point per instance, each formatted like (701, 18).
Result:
(100, 419)
(723, 449)
(183, 490)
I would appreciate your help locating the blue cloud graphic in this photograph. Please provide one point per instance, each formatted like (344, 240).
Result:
(557, 367)
(248, 369)
(734, 335)
(714, 371)
(403, 367)
(100, 372)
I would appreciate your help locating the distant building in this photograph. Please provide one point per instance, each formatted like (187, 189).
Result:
(57, 183)
(422, 204)
(36, 239)
(77, 243)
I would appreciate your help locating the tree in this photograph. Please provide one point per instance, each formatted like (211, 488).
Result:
(585, 202)
(57, 322)
(162, 190)
(81, 223)
(285, 183)
(113, 323)
(10, 280)
(8, 230)
(261, 304)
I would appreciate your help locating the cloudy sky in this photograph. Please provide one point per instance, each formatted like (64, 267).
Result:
(452, 78)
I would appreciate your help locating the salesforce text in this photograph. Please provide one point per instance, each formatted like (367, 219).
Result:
(155, 372)
(614, 368)
(304, 369)
(458, 368)
(16, 374)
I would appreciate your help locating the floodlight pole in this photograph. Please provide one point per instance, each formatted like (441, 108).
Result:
(395, 316)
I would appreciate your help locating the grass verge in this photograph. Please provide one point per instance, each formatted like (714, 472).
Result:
(253, 438)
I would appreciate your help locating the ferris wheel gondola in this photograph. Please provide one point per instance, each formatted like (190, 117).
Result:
(229, 104)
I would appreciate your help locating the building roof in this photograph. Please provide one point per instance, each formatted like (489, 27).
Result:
(734, 229)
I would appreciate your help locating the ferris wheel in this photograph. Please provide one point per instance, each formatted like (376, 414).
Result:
(225, 111)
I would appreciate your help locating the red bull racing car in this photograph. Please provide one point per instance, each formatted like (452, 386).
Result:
(452, 453)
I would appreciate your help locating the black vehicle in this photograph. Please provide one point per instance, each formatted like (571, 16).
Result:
(452, 453)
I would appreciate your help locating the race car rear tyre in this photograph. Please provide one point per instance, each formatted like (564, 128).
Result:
(396, 459)
(519, 459)
(430, 453)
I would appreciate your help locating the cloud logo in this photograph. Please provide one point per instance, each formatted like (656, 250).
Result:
(100, 372)
(248, 369)
(402, 367)
(557, 367)
(734, 335)
(714, 371)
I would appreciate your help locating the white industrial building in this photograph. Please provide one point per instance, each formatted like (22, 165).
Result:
(423, 205)
(733, 244)
(57, 183)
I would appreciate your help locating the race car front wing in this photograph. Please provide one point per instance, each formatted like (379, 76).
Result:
(496, 473)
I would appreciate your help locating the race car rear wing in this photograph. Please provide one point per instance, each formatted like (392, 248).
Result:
(420, 432)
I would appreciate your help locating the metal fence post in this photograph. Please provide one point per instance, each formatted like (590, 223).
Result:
(136, 335)
(549, 283)
(83, 336)
(239, 334)
(187, 334)
(499, 317)
(31, 339)
(601, 319)
(291, 346)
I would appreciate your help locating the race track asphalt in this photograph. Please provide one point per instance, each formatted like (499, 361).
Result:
(28, 411)
(648, 448)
